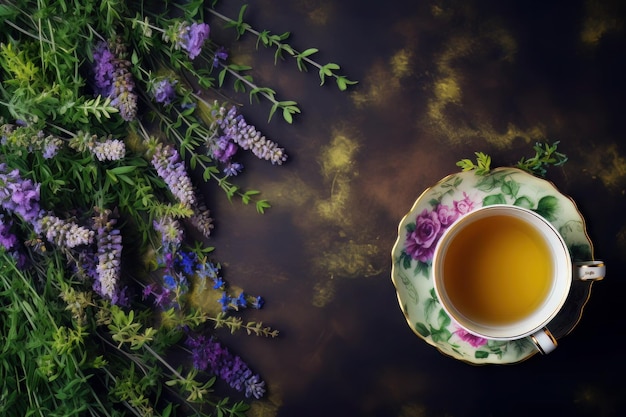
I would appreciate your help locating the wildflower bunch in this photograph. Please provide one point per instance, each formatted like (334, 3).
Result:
(101, 128)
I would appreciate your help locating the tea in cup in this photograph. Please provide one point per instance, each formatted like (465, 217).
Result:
(504, 272)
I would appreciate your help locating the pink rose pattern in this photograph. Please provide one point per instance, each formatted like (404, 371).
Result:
(473, 340)
(431, 224)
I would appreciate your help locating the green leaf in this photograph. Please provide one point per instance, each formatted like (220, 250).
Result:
(494, 199)
(123, 169)
(422, 329)
(548, 207)
(525, 202)
(481, 354)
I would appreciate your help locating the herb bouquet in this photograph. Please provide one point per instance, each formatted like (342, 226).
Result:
(101, 118)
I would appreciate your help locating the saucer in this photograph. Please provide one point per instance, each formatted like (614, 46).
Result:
(459, 194)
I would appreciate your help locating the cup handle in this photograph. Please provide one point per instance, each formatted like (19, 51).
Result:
(589, 270)
(544, 341)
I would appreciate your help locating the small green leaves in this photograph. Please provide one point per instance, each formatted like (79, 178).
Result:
(240, 26)
(289, 108)
(482, 165)
(304, 54)
(327, 71)
(94, 107)
(545, 155)
(303, 58)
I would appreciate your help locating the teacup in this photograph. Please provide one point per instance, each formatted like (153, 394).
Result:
(504, 272)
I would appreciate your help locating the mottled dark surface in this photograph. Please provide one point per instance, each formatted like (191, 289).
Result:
(438, 81)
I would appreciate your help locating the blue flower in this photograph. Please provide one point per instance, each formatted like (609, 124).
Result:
(207, 270)
(169, 282)
(241, 301)
(187, 261)
(218, 283)
(258, 302)
(224, 301)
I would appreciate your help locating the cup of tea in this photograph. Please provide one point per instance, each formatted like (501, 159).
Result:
(503, 272)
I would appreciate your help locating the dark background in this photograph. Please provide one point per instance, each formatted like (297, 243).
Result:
(438, 81)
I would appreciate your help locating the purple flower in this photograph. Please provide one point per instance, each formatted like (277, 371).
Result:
(18, 195)
(104, 67)
(171, 232)
(465, 205)
(109, 243)
(164, 91)
(232, 169)
(208, 354)
(172, 169)
(421, 242)
(63, 233)
(201, 218)
(236, 129)
(446, 215)
(108, 150)
(112, 79)
(224, 149)
(220, 55)
(147, 291)
(7, 239)
(191, 38)
(473, 340)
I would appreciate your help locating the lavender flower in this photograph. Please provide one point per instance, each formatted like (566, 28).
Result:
(51, 148)
(208, 354)
(224, 149)
(104, 148)
(19, 196)
(190, 38)
(109, 150)
(171, 168)
(63, 233)
(7, 238)
(109, 259)
(220, 55)
(29, 137)
(232, 169)
(201, 218)
(247, 137)
(164, 91)
(113, 80)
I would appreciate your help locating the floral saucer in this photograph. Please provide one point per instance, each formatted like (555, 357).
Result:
(433, 212)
